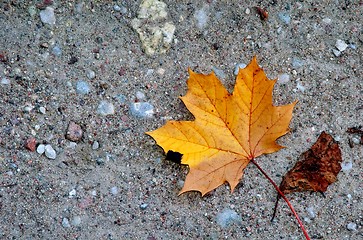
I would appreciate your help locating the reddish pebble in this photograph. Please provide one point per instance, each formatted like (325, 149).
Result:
(122, 71)
(30, 144)
(74, 132)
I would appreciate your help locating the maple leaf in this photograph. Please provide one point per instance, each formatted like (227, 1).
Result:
(229, 130)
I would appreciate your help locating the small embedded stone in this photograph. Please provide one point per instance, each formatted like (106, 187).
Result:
(74, 132)
(30, 144)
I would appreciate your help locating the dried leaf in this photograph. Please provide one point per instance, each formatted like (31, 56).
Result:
(317, 168)
(229, 130)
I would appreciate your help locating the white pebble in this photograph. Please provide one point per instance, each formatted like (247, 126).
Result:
(28, 108)
(356, 140)
(311, 212)
(47, 16)
(82, 87)
(90, 74)
(41, 148)
(95, 145)
(140, 95)
(326, 20)
(65, 223)
(116, 8)
(341, 45)
(42, 110)
(50, 152)
(114, 190)
(237, 67)
(141, 109)
(161, 71)
(300, 87)
(336, 53)
(248, 11)
(105, 108)
(72, 145)
(346, 166)
(307, 220)
(283, 78)
(227, 217)
(285, 17)
(5, 81)
(76, 220)
(143, 206)
(72, 193)
(201, 17)
(352, 226)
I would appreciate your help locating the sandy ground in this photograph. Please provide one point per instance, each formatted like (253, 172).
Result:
(123, 188)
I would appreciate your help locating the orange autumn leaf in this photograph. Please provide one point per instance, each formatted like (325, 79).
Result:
(229, 130)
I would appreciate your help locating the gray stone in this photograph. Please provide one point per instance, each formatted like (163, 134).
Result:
(47, 16)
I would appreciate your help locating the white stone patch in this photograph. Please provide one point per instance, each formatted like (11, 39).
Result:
(156, 32)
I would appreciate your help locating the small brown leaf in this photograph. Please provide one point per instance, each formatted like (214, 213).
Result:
(317, 168)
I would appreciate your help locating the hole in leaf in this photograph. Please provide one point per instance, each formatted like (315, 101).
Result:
(174, 156)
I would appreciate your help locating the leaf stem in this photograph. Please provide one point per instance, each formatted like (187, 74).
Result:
(284, 197)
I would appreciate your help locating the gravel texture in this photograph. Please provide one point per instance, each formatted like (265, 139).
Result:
(84, 63)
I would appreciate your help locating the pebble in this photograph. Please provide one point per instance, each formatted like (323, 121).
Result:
(117, 8)
(201, 17)
(283, 78)
(141, 109)
(140, 95)
(79, 7)
(72, 145)
(356, 140)
(72, 193)
(74, 132)
(76, 220)
(284, 17)
(300, 87)
(297, 63)
(352, 226)
(237, 67)
(42, 110)
(247, 11)
(32, 10)
(121, 98)
(50, 152)
(341, 45)
(30, 144)
(114, 190)
(105, 108)
(65, 223)
(346, 166)
(82, 87)
(57, 51)
(41, 148)
(47, 16)
(337, 53)
(100, 161)
(90, 74)
(227, 217)
(144, 206)
(95, 145)
(5, 81)
(326, 20)
(311, 212)
(155, 30)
